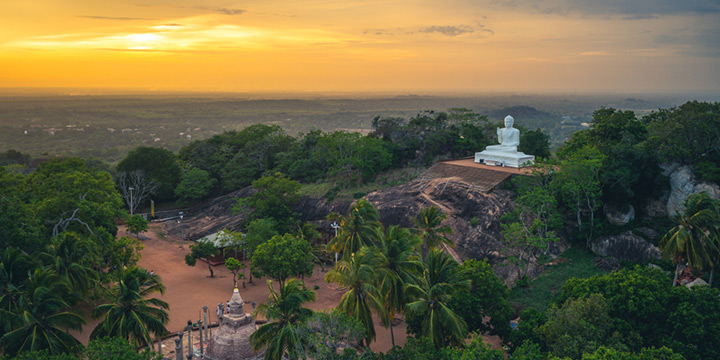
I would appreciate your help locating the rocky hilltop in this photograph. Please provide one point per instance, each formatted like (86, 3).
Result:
(454, 195)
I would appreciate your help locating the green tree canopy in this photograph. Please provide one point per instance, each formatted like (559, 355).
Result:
(202, 250)
(282, 257)
(274, 198)
(158, 164)
(195, 184)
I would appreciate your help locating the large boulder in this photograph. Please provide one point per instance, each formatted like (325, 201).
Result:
(684, 184)
(625, 246)
(617, 215)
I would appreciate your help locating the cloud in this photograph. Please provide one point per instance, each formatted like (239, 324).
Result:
(594, 53)
(112, 18)
(230, 11)
(448, 30)
(632, 10)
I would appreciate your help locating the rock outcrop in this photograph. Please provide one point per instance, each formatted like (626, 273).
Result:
(461, 203)
(684, 184)
(618, 216)
(625, 246)
(456, 197)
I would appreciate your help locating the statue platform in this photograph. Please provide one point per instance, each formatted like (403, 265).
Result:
(504, 158)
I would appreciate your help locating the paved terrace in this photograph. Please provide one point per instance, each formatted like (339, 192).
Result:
(483, 177)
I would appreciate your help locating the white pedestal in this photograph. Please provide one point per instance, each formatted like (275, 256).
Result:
(499, 158)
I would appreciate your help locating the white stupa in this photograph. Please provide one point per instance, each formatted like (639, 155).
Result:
(506, 153)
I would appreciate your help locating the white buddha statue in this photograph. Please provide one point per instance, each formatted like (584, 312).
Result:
(508, 137)
(506, 153)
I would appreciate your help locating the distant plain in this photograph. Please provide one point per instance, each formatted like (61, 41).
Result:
(110, 125)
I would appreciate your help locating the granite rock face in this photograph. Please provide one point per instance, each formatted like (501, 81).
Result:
(684, 184)
(625, 246)
(461, 203)
(396, 205)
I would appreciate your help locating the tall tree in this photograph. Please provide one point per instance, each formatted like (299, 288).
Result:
(694, 240)
(42, 316)
(202, 250)
(131, 315)
(282, 257)
(135, 187)
(357, 229)
(274, 198)
(429, 306)
(72, 257)
(428, 225)
(400, 261)
(357, 274)
(284, 312)
(579, 181)
(158, 165)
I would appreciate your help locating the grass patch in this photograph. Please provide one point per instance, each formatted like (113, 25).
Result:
(351, 193)
(575, 262)
(315, 190)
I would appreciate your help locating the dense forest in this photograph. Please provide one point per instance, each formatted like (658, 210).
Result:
(58, 221)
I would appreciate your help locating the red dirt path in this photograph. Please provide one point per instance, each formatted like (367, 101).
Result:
(189, 288)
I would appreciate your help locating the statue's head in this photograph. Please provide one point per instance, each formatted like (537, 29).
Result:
(509, 121)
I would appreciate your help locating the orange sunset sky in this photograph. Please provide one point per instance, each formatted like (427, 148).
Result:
(353, 45)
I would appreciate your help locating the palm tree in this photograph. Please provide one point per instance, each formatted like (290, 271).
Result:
(284, 313)
(695, 239)
(41, 318)
(131, 316)
(428, 225)
(357, 229)
(358, 273)
(72, 258)
(14, 269)
(439, 282)
(400, 261)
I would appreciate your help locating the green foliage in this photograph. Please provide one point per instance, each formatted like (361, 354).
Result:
(115, 348)
(195, 184)
(282, 257)
(424, 349)
(535, 142)
(428, 225)
(487, 298)
(40, 355)
(574, 262)
(284, 311)
(326, 333)
(580, 326)
(67, 196)
(36, 314)
(201, 250)
(136, 224)
(14, 157)
(629, 171)
(130, 315)
(530, 228)
(357, 229)
(647, 311)
(274, 198)
(428, 313)
(234, 265)
(688, 134)
(695, 240)
(358, 273)
(604, 353)
(158, 164)
(579, 183)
